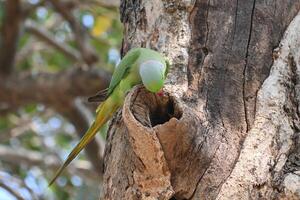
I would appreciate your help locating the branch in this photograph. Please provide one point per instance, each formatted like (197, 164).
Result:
(58, 91)
(33, 158)
(42, 34)
(11, 191)
(109, 4)
(81, 36)
(9, 36)
(23, 126)
(28, 8)
(20, 183)
(51, 89)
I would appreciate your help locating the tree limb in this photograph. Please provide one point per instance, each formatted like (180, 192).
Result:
(22, 127)
(51, 89)
(21, 184)
(58, 91)
(112, 4)
(9, 36)
(85, 49)
(28, 8)
(11, 191)
(33, 158)
(42, 34)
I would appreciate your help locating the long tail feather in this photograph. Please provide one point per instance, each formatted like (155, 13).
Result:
(100, 120)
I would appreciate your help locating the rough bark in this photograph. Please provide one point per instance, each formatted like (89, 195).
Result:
(268, 165)
(188, 144)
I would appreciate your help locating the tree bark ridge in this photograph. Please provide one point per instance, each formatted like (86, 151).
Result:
(221, 53)
(263, 169)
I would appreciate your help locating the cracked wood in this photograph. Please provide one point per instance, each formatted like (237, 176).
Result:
(221, 53)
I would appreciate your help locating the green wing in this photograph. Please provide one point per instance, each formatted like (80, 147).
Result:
(119, 73)
(122, 69)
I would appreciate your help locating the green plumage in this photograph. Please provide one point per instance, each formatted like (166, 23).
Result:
(139, 65)
(130, 63)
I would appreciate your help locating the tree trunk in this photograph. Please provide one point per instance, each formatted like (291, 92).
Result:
(228, 125)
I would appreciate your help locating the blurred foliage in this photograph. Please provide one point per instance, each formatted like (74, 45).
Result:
(40, 129)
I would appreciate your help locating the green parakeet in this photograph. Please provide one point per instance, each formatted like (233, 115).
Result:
(139, 65)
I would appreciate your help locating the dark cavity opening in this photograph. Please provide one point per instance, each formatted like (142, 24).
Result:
(164, 110)
(174, 198)
(151, 109)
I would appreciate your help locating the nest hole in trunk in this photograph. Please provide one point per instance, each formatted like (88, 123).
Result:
(151, 109)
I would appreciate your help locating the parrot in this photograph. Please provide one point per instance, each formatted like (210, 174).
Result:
(139, 66)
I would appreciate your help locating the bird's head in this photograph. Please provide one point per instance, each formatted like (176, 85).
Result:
(152, 73)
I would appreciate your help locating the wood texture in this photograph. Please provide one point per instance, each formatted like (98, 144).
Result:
(267, 166)
(221, 53)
